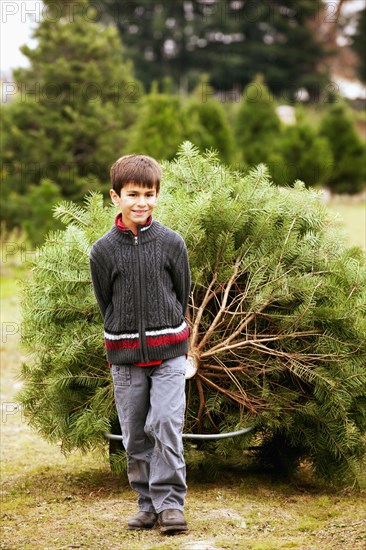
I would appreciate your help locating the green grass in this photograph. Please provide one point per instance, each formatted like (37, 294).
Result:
(353, 220)
(52, 501)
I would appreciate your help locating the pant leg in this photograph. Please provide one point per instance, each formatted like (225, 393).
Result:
(132, 397)
(164, 424)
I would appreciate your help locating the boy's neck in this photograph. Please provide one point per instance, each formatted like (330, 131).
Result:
(129, 226)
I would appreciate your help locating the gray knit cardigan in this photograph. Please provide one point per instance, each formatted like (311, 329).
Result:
(142, 287)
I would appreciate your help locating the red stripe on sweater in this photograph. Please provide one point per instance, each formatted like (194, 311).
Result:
(165, 340)
(151, 341)
(122, 344)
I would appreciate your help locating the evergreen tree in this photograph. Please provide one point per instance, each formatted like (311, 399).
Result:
(67, 394)
(231, 41)
(74, 103)
(159, 127)
(258, 127)
(348, 173)
(207, 126)
(35, 209)
(277, 314)
(305, 156)
(359, 44)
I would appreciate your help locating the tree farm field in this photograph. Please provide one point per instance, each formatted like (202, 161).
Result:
(352, 217)
(52, 501)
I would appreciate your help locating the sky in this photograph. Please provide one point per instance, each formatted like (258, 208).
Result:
(18, 18)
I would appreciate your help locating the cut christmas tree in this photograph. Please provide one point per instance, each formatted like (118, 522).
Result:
(277, 315)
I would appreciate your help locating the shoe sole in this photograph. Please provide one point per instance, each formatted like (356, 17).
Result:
(140, 528)
(133, 528)
(173, 529)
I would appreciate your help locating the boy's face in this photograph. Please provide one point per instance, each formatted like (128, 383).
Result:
(136, 203)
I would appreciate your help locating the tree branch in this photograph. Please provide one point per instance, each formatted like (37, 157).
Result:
(196, 324)
(257, 342)
(223, 305)
(242, 399)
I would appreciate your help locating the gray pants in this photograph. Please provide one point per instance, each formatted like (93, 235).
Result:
(150, 404)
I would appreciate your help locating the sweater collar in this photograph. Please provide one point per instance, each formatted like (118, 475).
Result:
(121, 226)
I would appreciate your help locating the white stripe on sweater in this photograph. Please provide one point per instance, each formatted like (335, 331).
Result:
(134, 335)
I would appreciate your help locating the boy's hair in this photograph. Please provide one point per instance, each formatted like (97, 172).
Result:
(134, 168)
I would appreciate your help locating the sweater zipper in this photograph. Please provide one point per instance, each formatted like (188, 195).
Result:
(144, 356)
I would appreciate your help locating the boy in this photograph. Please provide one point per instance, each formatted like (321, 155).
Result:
(141, 281)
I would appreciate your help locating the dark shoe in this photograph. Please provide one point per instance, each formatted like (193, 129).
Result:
(143, 520)
(172, 521)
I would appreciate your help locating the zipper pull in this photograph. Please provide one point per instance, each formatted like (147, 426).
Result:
(136, 239)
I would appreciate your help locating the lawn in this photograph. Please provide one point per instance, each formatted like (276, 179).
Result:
(353, 220)
(52, 501)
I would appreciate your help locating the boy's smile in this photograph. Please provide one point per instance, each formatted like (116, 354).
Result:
(136, 203)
